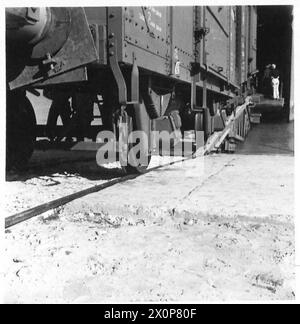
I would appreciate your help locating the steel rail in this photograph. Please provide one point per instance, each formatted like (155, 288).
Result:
(38, 210)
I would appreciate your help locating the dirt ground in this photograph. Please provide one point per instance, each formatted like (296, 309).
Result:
(213, 229)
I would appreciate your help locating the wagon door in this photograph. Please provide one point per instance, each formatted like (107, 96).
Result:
(217, 40)
(181, 38)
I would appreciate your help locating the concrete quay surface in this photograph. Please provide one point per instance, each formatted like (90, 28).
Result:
(219, 228)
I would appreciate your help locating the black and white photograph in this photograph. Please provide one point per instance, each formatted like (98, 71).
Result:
(148, 155)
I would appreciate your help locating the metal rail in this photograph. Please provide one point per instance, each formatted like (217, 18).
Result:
(212, 144)
(35, 211)
(38, 210)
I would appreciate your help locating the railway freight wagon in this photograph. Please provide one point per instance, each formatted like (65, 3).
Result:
(171, 69)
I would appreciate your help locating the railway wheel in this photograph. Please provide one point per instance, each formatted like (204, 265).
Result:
(138, 157)
(20, 131)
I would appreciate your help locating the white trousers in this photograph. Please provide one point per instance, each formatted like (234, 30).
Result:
(275, 85)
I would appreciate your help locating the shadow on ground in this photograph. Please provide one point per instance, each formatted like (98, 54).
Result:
(65, 163)
(271, 137)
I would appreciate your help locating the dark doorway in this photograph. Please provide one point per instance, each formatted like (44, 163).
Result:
(274, 42)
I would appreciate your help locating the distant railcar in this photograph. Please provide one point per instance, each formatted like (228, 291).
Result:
(158, 68)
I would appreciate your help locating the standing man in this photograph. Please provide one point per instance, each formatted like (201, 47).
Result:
(275, 81)
(267, 81)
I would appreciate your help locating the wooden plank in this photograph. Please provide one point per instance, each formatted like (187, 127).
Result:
(218, 138)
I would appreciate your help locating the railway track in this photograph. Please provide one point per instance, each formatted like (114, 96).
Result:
(40, 209)
(212, 144)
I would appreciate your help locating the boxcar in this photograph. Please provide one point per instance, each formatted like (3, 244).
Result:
(156, 68)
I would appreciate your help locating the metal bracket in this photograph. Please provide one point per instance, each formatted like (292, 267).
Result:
(200, 33)
(49, 61)
(114, 64)
(135, 92)
(49, 65)
(118, 75)
(195, 68)
(193, 93)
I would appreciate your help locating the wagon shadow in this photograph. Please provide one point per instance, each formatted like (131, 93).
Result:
(88, 170)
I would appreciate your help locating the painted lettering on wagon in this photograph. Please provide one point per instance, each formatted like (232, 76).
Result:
(148, 14)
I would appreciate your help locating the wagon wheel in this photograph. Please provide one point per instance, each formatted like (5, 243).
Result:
(20, 131)
(136, 119)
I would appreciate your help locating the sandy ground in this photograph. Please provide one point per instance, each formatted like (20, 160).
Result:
(213, 229)
(67, 173)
